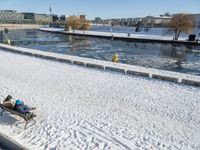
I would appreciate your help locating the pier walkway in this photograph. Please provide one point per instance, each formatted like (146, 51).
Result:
(123, 36)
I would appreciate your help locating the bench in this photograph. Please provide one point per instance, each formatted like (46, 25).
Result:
(28, 117)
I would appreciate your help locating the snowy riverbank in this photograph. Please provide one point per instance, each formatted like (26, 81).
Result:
(107, 65)
(80, 108)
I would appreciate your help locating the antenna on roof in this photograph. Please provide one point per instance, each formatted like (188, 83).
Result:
(50, 10)
(197, 24)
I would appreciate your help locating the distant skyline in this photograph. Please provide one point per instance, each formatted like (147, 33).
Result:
(105, 9)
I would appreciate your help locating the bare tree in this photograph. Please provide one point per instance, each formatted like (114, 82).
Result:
(73, 22)
(76, 23)
(84, 25)
(181, 23)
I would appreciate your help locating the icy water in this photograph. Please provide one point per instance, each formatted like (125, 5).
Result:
(174, 57)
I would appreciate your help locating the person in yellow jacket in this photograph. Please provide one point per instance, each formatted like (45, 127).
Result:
(7, 41)
(1, 36)
(115, 58)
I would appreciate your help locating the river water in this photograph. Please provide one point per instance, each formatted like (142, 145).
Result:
(171, 57)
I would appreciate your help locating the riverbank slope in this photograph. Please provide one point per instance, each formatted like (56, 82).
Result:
(81, 108)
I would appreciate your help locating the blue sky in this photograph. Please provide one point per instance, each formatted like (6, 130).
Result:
(104, 8)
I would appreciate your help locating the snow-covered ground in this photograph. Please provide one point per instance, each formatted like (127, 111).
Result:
(81, 108)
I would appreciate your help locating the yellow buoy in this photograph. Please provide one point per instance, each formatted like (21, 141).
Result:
(115, 58)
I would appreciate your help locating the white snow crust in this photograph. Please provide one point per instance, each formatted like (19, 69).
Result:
(82, 108)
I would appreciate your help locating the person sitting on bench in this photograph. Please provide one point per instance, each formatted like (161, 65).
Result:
(21, 107)
(17, 105)
(8, 102)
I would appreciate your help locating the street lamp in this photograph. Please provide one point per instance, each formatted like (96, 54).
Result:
(196, 29)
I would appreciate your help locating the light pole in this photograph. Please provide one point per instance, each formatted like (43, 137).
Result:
(197, 25)
(196, 29)
(50, 10)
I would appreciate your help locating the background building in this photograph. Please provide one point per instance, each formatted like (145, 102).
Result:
(148, 21)
(151, 21)
(11, 16)
(43, 18)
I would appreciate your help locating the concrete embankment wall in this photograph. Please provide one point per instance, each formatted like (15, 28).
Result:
(7, 144)
(130, 70)
(18, 26)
